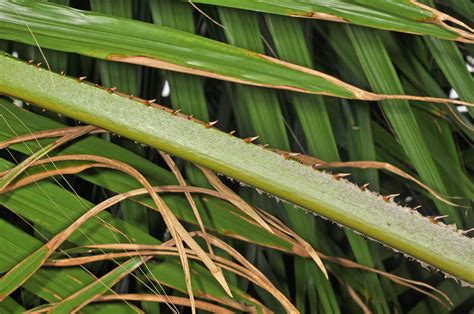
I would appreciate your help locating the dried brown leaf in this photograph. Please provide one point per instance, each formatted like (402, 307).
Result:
(234, 198)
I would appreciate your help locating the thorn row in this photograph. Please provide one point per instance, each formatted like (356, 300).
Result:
(287, 156)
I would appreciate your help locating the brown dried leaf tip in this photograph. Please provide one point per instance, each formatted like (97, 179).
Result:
(175, 112)
(38, 64)
(250, 139)
(190, 117)
(388, 198)
(364, 187)
(30, 61)
(112, 89)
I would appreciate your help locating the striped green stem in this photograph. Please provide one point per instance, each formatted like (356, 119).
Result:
(401, 228)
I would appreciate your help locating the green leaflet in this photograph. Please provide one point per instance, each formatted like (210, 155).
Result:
(124, 40)
(50, 284)
(66, 29)
(21, 272)
(87, 294)
(11, 306)
(394, 15)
